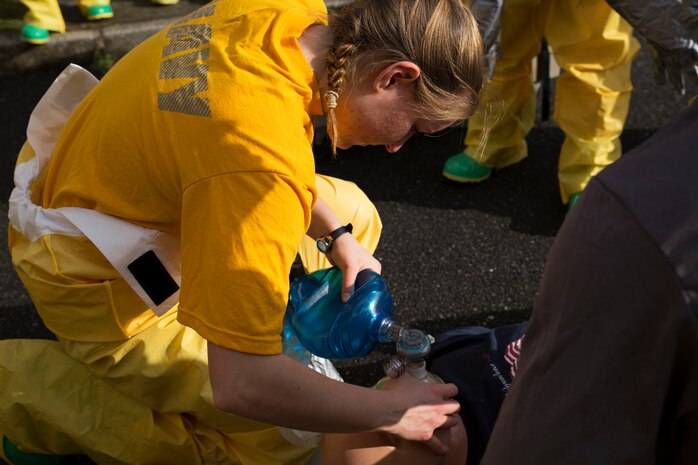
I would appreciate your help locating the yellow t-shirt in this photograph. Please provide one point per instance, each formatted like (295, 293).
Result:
(205, 130)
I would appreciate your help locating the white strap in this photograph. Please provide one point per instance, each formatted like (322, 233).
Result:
(122, 243)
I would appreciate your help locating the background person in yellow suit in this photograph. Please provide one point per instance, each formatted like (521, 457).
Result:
(45, 16)
(157, 213)
(594, 46)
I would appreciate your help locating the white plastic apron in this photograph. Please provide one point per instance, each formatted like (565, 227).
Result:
(124, 244)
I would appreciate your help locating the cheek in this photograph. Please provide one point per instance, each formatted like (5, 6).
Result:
(394, 126)
(374, 127)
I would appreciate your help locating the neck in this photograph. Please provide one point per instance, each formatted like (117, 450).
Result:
(315, 43)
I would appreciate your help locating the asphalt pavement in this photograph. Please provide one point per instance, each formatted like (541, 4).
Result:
(453, 254)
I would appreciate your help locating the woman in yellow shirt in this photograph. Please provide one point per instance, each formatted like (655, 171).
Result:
(155, 220)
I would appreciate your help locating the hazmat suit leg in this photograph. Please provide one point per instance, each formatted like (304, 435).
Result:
(124, 373)
(49, 402)
(595, 48)
(45, 14)
(86, 4)
(508, 104)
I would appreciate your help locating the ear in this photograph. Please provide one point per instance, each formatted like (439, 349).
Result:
(401, 72)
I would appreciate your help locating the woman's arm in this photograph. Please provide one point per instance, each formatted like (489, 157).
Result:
(279, 391)
(346, 253)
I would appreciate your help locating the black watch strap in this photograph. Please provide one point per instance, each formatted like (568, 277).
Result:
(324, 244)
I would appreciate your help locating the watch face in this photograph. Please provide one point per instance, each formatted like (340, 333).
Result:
(323, 246)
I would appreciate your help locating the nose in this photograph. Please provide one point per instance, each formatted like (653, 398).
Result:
(392, 148)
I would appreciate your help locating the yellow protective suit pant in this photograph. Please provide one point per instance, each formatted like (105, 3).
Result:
(47, 13)
(145, 399)
(594, 47)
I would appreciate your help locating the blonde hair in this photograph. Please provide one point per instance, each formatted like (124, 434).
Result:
(439, 36)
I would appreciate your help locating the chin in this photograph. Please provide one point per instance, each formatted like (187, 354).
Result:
(344, 145)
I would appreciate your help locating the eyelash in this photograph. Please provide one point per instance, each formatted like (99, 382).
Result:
(436, 134)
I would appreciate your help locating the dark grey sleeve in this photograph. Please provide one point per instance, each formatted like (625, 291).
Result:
(608, 343)
(670, 28)
(670, 24)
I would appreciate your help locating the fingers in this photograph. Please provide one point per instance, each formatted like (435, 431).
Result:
(348, 280)
(435, 444)
(430, 409)
(451, 421)
(448, 391)
(450, 407)
(351, 257)
(442, 395)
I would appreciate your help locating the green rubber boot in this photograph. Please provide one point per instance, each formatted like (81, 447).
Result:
(96, 12)
(33, 34)
(16, 457)
(573, 199)
(463, 168)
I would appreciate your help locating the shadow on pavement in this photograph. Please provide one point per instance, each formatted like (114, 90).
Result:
(413, 176)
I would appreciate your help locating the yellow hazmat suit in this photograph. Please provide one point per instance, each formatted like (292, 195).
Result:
(594, 46)
(228, 172)
(146, 399)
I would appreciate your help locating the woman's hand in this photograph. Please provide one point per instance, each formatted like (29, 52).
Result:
(350, 257)
(432, 407)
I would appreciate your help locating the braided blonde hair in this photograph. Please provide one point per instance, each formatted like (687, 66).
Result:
(439, 36)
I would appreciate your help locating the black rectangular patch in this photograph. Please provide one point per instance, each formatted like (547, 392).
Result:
(153, 277)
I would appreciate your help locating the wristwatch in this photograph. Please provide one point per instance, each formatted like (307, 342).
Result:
(324, 244)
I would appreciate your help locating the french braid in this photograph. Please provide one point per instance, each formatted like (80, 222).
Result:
(338, 59)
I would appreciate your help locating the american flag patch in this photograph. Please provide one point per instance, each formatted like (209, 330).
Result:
(511, 355)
